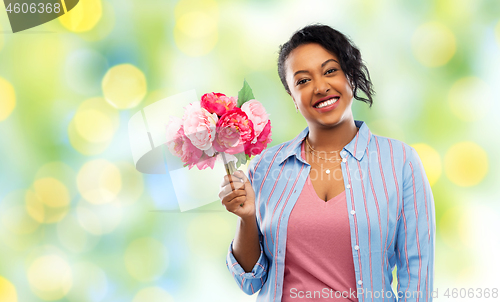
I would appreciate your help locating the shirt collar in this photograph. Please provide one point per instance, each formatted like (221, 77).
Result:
(356, 147)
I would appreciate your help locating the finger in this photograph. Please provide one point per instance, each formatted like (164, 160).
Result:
(235, 203)
(226, 190)
(231, 197)
(241, 175)
(234, 179)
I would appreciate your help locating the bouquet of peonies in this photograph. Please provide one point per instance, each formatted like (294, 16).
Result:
(219, 125)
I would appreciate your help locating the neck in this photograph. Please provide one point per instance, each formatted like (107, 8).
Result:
(332, 138)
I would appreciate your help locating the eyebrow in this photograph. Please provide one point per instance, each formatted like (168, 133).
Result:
(322, 65)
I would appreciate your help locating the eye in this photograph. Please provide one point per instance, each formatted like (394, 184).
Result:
(301, 81)
(331, 70)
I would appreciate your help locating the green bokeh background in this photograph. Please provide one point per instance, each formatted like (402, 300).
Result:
(434, 65)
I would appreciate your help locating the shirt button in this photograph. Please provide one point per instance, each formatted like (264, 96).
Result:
(343, 152)
(353, 212)
(356, 247)
(344, 159)
(348, 186)
(360, 282)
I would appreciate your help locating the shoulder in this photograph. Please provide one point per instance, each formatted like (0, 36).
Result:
(403, 158)
(392, 149)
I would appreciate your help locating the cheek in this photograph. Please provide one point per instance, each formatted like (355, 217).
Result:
(347, 88)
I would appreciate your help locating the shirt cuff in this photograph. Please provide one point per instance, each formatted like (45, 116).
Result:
(259, 270)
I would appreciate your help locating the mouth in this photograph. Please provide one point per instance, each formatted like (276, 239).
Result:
(326, 101)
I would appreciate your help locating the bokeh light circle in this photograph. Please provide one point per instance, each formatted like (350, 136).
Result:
(196, 24)
(7, 99)
(94, 126)
(8, 292)
(433, 44)
(99, 181)
(52, 192)
(50, 277)
(153, 294)
(195, 31)
(99, 219)
(470, 98)
(466, 164)
(146, 259)
(83, 17)
(187, 38)
(430, 160)
(48, 200)
(89, 283)
(60, 171)
(124, 86)
(89, 136)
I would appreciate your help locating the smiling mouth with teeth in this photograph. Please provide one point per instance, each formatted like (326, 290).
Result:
(327, 102)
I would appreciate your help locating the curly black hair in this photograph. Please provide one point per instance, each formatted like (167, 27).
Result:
(338, 44)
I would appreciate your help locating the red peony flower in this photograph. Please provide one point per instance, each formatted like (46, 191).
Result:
(263, 139)
(217, 103)
(234, 130)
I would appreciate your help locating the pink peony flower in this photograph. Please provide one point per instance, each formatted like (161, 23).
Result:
(257, 114)
(217, 103)
(199, 125)
(180, 145)
(254, 148)
(175, 136)
(206, 161)
(190, 153)
(234, 129)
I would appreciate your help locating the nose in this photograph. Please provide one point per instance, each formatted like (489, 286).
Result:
(322, 87)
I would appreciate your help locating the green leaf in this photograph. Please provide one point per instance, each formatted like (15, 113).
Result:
(242, 159)
(245, 94)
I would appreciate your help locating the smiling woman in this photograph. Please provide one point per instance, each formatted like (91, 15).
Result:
(331, 213)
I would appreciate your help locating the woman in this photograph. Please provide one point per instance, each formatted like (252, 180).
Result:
(330, 213)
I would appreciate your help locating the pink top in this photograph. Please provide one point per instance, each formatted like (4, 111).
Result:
(318, 257)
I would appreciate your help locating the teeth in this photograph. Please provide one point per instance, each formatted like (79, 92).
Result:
(327, 103)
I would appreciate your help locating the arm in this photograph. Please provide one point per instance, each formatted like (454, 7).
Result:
(246, 245)
(246, 259)
(416, 234)
(250, 281)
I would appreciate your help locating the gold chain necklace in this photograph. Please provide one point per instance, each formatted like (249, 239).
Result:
(312, 149)
(329, 159)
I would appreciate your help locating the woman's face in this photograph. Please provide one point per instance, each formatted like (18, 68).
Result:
(314, 74)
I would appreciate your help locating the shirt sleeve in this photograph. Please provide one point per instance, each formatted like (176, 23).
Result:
(249, 282)
(416, 234)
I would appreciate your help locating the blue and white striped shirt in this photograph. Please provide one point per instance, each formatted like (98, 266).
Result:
(390, 208)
